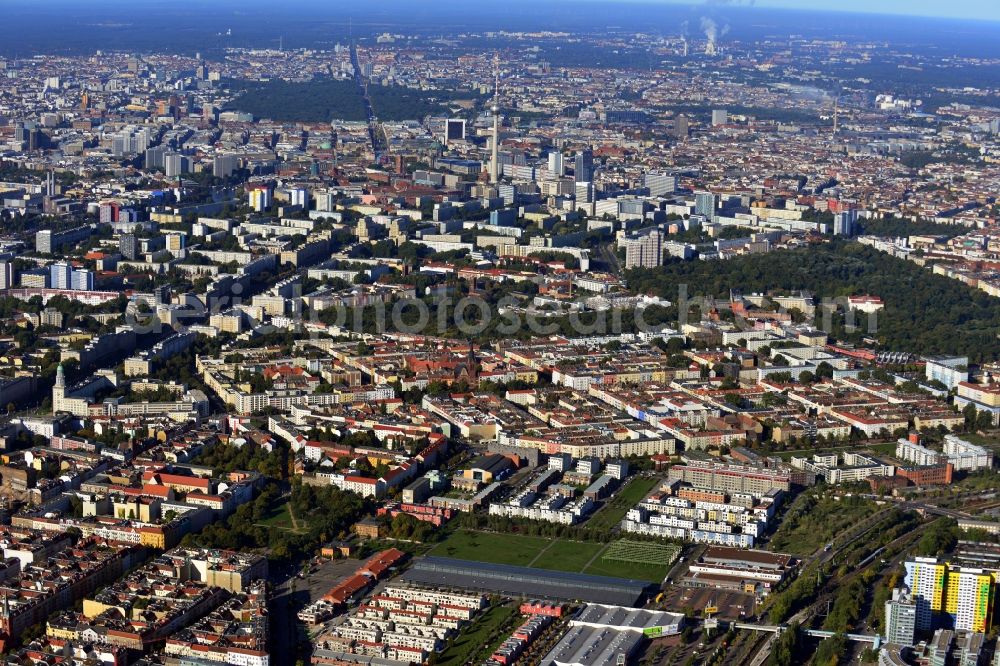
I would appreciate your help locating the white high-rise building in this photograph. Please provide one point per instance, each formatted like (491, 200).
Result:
(659, 184)
(966, 456)
(61, 275)
(949, 370)
(900, 618)
(298, 196)
(644, 250)
(6, 275)
(705, 204)
(82, 280)
(174, 165)
(326, 201)
(223, 166)
(556, 164)
(916, 453)
(844, 222)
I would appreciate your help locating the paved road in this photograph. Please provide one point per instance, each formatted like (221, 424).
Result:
(292, 593)
(374, 133)
(283, 609)
(609, 258)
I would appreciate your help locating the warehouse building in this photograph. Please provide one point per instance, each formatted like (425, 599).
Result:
(525, 582)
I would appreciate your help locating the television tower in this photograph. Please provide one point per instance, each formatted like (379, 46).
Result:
(495, 156)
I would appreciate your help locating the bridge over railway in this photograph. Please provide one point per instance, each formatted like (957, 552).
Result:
(875, 640)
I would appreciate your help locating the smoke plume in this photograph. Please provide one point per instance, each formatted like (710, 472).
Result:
(711, 30)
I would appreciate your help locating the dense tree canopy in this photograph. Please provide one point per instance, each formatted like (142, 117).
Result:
(401, 103)
(313, 101)
(924, 313)
(898, 227)
(327, 99)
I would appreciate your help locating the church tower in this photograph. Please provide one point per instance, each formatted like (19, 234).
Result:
(59, 390)
(472, 364)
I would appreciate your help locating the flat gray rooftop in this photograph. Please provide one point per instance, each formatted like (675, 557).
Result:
(526, 582)
(586, 646)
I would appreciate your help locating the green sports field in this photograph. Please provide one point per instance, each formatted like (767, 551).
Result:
(559, 554)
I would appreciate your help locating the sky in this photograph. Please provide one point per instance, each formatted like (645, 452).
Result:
(971, 9)
(966, 9)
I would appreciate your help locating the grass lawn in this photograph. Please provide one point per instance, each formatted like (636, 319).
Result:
(652, 573)
(559, 555)
(480, 635)
(886, 448)
(568, 556)
(542, 553)
(493, 548)
(278, 516)
(616, 508)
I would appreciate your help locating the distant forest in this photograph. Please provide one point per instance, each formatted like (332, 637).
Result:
(400, 103)
(924, 313)
(900, 227)
(315, 101)
(324, 100)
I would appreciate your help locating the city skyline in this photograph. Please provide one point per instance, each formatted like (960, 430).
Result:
(561, 333)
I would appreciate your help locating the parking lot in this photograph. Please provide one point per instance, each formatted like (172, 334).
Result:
(730, 605)
(324, 576)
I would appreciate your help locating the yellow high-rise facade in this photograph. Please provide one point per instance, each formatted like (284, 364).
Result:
(959, 597)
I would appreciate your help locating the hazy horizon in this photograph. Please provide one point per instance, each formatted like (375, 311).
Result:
(158, 25)
(987, 10)
(983, 10)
